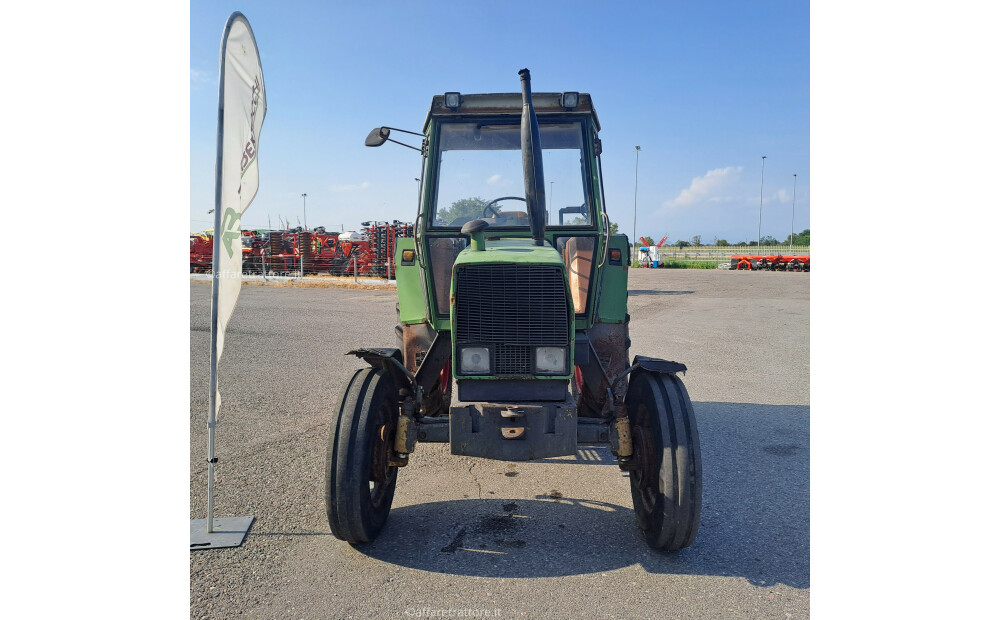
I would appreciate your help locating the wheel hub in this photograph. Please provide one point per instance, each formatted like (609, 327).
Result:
(382, 452)
(642, 454)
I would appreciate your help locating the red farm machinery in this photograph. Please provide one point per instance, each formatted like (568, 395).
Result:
(776, 262)
(367, 253)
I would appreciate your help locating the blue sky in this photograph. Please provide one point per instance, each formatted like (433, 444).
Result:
(705, 89)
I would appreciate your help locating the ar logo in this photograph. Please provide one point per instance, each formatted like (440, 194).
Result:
(231, 228)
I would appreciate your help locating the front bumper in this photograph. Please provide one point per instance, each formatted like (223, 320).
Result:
(514, 431)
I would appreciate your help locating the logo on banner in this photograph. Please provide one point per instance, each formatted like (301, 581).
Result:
(231, 230)
(250, 149)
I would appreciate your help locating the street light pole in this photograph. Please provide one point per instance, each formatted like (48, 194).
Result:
(635, 201)
(304, 212)
(760, 211)
(795, 179)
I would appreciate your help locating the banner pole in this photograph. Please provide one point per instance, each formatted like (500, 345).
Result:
(229, 531)
(211, 477)
(216, 251)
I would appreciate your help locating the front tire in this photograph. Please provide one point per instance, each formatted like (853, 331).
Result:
(666, 473)
(360, 483)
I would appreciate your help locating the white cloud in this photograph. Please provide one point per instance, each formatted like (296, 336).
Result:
(349, 187)
(782, 196)
(493, 180)
(200, 77)
(715, 186)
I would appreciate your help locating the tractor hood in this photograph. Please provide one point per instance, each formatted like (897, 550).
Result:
(511, 251)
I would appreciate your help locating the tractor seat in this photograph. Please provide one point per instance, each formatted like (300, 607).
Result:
(515, 218)
(578, 254)
(509, 218)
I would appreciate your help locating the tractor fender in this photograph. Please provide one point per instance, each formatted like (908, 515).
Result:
(652, 364)
(390, 360)
(642, 363)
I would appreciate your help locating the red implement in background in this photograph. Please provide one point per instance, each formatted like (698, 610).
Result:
(201, 253)
(293, 252)
(757, 262)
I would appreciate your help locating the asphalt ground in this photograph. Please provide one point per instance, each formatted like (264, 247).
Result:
(479, 538)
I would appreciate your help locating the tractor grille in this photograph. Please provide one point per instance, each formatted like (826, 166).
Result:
(513, 360)
(514, 308)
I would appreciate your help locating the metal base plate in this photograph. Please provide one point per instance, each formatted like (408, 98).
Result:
(228, 532)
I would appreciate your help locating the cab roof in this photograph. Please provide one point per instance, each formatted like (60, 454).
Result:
(509, 103)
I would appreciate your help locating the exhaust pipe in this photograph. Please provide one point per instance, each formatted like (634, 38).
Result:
(531, 158)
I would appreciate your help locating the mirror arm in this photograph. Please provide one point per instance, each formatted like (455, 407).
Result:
(406, 145)
(412, 133)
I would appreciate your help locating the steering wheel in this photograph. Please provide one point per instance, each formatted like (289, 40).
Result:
(490, 208)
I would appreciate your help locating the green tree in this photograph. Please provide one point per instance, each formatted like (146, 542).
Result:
(721, 242)
(696, 240)
(464, 209)
(801, 239)
(682, 244)
(768, 240)
(614, 228)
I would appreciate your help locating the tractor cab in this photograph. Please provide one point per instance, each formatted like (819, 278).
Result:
(475, 171)
(512, 341)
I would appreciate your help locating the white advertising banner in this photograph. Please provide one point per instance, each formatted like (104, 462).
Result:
(242, 107)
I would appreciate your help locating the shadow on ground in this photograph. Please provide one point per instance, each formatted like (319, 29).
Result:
(755, 516)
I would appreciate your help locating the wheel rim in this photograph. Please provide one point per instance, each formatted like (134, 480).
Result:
(382, 475)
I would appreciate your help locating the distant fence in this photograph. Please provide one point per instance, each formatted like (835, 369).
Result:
(721, 254)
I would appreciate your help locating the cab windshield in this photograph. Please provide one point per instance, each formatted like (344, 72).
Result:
(480, 175)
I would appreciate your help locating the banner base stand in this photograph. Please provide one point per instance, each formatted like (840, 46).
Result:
(229, 532)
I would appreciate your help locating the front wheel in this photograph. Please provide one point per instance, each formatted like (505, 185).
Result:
(360, 483)
(666, 473)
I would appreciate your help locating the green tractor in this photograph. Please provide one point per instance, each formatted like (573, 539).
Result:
(524, 305)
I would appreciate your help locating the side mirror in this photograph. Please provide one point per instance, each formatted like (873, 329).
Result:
(377, 137)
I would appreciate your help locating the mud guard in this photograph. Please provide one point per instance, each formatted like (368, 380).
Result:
(652, 364)
(388, 359)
